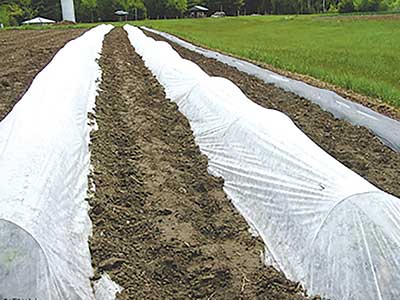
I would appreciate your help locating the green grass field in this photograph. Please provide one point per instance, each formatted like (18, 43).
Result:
(358, 54)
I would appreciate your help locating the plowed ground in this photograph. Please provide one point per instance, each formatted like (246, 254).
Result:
(23, 54)
(163, 227)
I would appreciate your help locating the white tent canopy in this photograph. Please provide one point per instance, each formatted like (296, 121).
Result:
(199, 8)
(121, 13)
(39, 20)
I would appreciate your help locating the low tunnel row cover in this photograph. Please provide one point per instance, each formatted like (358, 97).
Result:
(387, 129)
(323, 224)
(44, 164)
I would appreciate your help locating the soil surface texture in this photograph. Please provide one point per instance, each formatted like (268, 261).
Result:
(162, 226)
(354, 146)
(24, 53)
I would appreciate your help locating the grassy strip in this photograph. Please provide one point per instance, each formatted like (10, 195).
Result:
(360, 54)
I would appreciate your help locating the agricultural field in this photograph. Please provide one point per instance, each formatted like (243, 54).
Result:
(163, 192)
(23, 55)
(359, 53)
(191, 242)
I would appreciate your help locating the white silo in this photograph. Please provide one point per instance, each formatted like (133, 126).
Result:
(68, 12)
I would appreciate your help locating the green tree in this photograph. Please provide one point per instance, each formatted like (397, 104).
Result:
(105, 10)
(135, 8)
(13, 12)
(230, 7)
(258, 7)
(5, 17)
(89, 5)
(191, 3)
(157, 9)
(395, 5)
(369, 5)
(154, 8)
(175, 8)
(50, 9)
(346, 6)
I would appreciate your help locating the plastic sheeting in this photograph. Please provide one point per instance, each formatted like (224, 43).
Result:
(44, 163)
(322, 223)
(105, 288)
(387, 129)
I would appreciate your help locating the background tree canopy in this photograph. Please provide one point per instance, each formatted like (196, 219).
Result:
(13, 12)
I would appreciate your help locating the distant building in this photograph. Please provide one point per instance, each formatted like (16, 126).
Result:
(198, 11)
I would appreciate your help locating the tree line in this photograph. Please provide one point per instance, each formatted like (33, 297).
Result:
(12, 12)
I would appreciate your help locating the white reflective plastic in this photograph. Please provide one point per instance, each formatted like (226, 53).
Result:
(44, 164)
(323, 224)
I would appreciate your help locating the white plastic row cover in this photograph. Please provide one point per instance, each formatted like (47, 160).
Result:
(44, 164)
(385, 128)
(323, 224)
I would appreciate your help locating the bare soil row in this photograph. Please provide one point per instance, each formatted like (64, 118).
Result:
(162, 226)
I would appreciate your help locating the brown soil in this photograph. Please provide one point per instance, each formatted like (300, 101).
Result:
(24, 53)
(354, 146)
(162, 226)
(64, 23)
